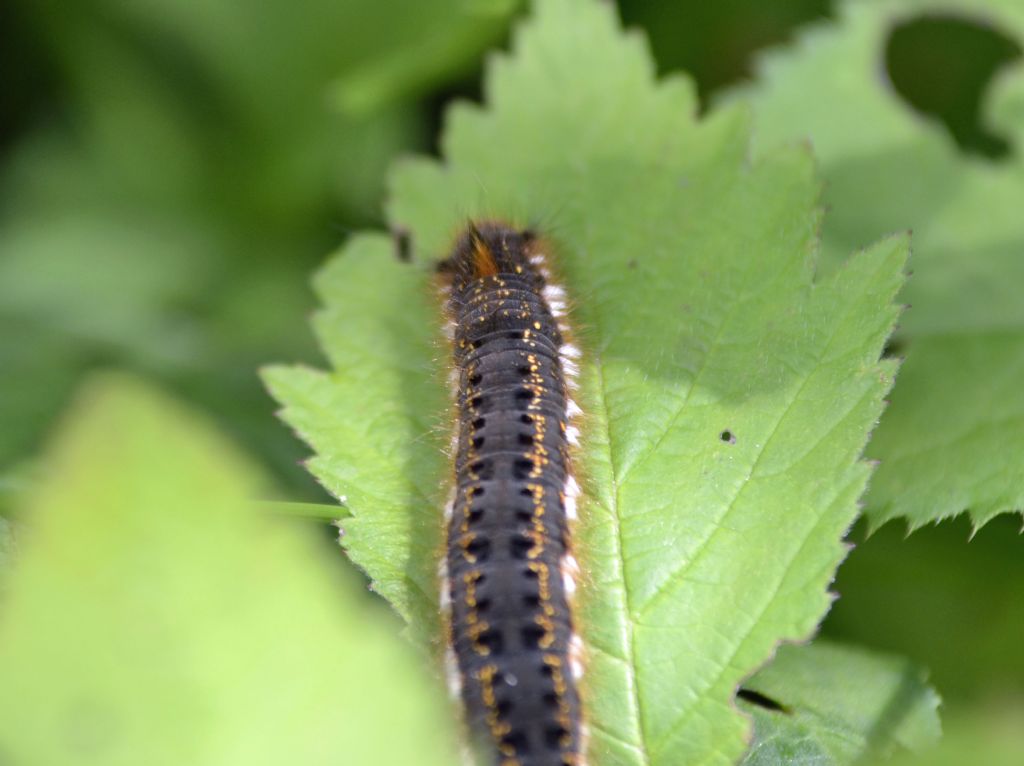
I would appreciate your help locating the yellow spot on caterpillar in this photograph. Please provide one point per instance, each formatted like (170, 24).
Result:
(499, 728)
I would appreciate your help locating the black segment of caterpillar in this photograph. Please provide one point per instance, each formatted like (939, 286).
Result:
(508, 574)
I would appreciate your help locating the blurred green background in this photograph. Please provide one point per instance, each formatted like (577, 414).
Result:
(172, 172)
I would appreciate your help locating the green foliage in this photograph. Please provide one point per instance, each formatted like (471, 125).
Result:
(993, 736)
(838, 705)
(7, 551)
(206, 154)
(953, 438)
(372, 421)
(677, 518)
(154, 618)
(171, 171)
(944, 596)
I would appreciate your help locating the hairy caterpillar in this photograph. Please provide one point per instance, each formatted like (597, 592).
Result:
(508, 573)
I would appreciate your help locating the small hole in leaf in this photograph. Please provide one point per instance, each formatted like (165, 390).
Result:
(728, 437)
(402, 239)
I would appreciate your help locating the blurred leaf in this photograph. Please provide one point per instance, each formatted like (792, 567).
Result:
(713, 42)
(114, 282)
(993, 736)
(202, 632)
(952, 605)
(323, 511)
(39, 369)
(839, 704)
(7, 552)
(953, 438)
(165, 221)
(256, 89)
(15, 481)
(303, 45)
(372, 421)
(942, 65)
(658, 216)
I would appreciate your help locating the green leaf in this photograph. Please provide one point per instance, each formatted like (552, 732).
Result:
(323, 511)
(953, 438)
(992, 735)
(323, 97)
(692, 272)
(189, 176)
(153, 617)
(379, 52)
(374, 421)
(838, 704)
(7, 552)
(944, 596)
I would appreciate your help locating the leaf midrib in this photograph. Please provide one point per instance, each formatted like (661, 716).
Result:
(627, 628)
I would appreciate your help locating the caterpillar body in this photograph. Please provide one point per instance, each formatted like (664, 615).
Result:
(508, 574)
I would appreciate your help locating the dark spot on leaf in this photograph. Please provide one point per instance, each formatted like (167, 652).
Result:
(402, 239)
(762, 701)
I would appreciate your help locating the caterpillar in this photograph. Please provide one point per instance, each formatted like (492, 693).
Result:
(508, 574)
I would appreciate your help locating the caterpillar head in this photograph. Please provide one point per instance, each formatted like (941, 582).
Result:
(491, 249)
